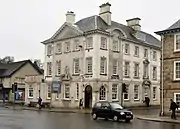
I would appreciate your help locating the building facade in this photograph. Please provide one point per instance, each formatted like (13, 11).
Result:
(94, 56)
(15, 73)
(170, 80)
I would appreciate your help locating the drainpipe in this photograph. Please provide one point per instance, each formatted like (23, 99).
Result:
(162, 80)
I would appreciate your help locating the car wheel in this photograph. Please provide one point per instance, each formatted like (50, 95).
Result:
(115, 118)
(94, 116)
(127, 120)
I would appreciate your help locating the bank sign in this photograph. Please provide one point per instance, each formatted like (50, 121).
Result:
(56, 86)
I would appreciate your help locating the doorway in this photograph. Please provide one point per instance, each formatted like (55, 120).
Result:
(88, 97)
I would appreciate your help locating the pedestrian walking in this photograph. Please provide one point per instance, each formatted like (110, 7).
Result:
(81, 103)
(40, 102)
(147, 100)
(173, 107)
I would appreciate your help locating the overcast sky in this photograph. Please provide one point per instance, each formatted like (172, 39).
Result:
(25, 23)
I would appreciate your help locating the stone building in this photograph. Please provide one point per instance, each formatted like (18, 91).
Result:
(92, 57)
(170, 81)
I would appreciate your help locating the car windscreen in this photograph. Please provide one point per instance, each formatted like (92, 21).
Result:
(116, 106)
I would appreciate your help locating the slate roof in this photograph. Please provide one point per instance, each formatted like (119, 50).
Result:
(96, 22)
(7, 70)
(173, 28)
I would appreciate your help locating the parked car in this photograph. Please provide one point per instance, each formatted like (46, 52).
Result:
(110, 110)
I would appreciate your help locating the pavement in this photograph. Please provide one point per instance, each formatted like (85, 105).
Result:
(156, 118)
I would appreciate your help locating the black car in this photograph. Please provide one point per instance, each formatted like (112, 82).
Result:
(110, 110)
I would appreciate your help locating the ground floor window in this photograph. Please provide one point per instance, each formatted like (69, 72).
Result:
(154, 92)
(102, 93)
(126, 94)
(30, 93)
(66, 91)
(136, 92)
(177, 99)
(49, 91)
(114, 92)
(77, 91)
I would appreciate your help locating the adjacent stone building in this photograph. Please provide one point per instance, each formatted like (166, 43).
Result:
(170, 79)
(92, 57)
(16, 72)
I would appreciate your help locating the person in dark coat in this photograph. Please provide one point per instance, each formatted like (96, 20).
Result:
(147, 101)
(173, 107)
(40, 102)
(81, 103)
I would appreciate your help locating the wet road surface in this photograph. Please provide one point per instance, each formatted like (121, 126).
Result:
(16, 119)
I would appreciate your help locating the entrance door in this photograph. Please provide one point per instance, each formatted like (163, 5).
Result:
(88, 96)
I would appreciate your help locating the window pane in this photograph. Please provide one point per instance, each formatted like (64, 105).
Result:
(126, 95)
(177, 70)
(102, 93)
(177, 42)
(114, 91)
(89, 65)
(136, 91)
(103, 43)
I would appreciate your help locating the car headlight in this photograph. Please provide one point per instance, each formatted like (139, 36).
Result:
(122, 113)
(131, 113)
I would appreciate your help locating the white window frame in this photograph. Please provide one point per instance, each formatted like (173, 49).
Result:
(76, 45)
(76, 66)
(136, 70)
(154, 55)
(175, 99)
(102, 97)
(145, 70)
(89, 61)
(136, 51)
(67, 46)
(115, 67)
(103, 65)
(145, 53)
(114, 92)
(89, 42)
(175, 70)
(154, 73)
(136, 86)
(59, 48)
(65, 93)
(49, 49)
(30, 88)
(128, 48)
(77, 91)
(48, 91)
(103, 43)
(175, 37)
(49, 68)
(127, 88)
(115, 45)
(128, 69)
(58, 67)
(154, 93)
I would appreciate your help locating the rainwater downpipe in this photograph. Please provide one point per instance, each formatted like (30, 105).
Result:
(162, 79)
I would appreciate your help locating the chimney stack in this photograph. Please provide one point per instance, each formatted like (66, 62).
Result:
(70, 17)
(105, 13)
(134, 23)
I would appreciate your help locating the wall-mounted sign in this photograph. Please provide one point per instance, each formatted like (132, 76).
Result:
(56, 86)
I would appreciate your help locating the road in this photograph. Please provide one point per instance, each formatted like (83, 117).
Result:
(17, 119)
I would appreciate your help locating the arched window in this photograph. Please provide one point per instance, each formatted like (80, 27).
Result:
(102, 93)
